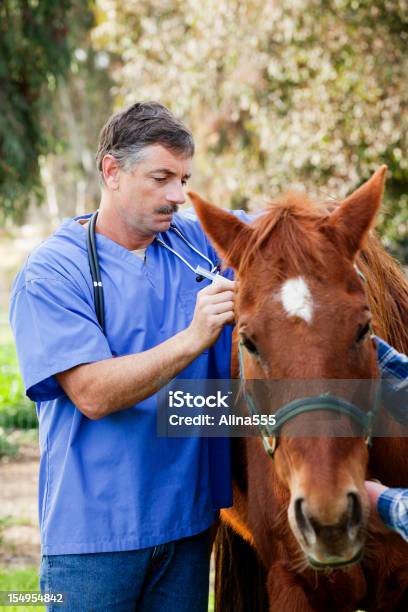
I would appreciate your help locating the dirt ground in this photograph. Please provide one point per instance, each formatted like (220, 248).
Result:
(19, 535)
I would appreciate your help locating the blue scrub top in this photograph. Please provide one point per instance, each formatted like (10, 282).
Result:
(112, 484)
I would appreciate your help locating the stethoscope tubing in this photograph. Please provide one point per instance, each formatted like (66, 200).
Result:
(96, 273)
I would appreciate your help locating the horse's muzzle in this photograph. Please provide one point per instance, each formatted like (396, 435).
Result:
(335, 544)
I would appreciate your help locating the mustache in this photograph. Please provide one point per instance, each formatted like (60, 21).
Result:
(167, 209)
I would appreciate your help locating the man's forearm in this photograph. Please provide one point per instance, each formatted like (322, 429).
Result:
(98, 389)
(103, 387)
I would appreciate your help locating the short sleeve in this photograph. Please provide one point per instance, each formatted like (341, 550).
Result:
(55, 328)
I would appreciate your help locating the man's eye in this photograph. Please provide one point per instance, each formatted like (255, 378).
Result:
(184, 182)
(159, 179)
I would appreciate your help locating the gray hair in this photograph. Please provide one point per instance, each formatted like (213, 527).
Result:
(128, 133)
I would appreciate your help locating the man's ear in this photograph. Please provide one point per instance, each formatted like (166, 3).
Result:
(110, 169)
(350, 223)
(228, 234)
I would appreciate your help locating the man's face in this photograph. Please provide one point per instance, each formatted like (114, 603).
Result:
(147, 198)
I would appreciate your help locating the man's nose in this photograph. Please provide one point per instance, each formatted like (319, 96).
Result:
(176, 195)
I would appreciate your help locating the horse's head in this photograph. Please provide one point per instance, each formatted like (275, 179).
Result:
(302, 313)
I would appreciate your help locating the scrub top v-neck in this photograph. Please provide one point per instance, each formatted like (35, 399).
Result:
(113, 484)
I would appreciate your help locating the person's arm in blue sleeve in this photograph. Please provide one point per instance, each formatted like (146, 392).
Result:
(390, 505)
(391, 362)
(394, 371)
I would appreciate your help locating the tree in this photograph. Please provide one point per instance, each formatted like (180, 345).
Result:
(37, 38)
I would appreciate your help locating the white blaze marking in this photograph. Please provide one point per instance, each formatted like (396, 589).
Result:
(297, 299)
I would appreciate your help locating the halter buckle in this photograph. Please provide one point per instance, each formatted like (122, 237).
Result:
(270, 443)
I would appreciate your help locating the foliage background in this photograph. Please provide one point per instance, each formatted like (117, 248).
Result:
(36, 42)
(306, 94)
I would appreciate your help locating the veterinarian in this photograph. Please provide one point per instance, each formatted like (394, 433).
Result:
(124, 514)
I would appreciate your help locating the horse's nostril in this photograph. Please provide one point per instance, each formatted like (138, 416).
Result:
(354, 510)
(299, 514)
(303, 522)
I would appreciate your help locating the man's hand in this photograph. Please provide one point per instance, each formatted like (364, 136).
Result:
(214, 308)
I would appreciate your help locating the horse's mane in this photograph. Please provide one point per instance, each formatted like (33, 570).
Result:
(294, 222)
(387, 292)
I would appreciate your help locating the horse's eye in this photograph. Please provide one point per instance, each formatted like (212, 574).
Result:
(249, 345)
(362, 332)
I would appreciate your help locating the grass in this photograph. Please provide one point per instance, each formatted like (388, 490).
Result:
(20, 580)
(16, 411)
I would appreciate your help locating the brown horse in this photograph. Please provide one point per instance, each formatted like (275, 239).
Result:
(299, 524)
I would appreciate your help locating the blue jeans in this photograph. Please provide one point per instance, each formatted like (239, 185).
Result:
(171, 577)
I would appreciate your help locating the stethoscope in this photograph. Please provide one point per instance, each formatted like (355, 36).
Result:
(200, 272)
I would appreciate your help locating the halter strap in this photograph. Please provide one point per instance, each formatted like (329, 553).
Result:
(292, 409)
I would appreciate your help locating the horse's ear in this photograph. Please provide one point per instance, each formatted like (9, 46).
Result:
(352, 220)
(228, 234)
